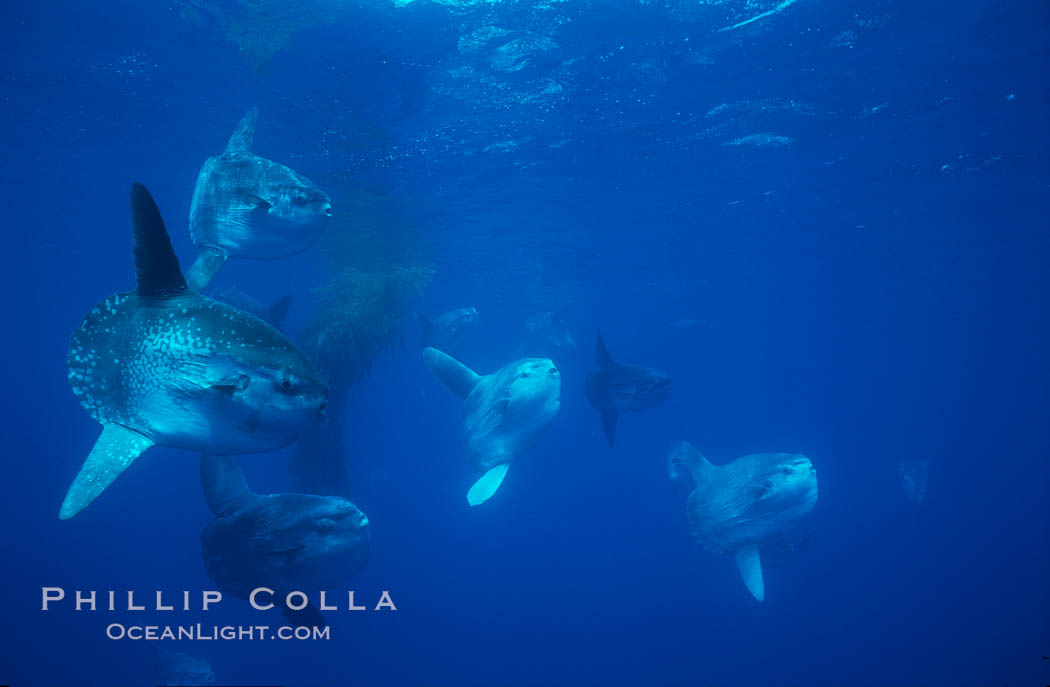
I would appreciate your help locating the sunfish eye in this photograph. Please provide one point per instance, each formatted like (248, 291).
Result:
(325, 524)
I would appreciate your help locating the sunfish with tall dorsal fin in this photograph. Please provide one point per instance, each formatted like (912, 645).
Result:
(165, 365)
(245, 206)
(736, 507)
(613, 388)
(504, 413)
(281, 541)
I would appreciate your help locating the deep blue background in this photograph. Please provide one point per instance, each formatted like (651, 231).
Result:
(874, 292)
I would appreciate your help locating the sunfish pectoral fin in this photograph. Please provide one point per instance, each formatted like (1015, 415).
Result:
(115, 450)
(487, 485)
(459, 378)
(255, 202)
(208, 263)
(750, 565)
(609, 418)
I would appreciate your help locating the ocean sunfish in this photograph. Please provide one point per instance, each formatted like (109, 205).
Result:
(547, 334)
(914, 476)
(273, 314)
(281, 541)
(176, 668)
(445, 331)
(245, 206)
(736, 507)
(165, 365)
(613, 388)
(504, 413)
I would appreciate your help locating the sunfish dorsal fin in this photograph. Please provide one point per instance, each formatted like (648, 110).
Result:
(684, 455)
(241, 140)
(157, 271)
(116, 448)
(223, 482)
(601, 354)
(457, 377)
(278, 311)
(487, 484)
(750, 565)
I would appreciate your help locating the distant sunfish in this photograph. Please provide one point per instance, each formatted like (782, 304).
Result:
(444, 332)
(175, 668)
(914, 475)
(245, 206)
(613, 389)
(274, 314)
(737, 507)
(281, 541)
(547, 334)
(504, 413)
(165, 365)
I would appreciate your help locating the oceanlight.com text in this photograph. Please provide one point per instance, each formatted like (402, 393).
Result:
(200, 632)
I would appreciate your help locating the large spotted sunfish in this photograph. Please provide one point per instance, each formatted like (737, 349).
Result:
(165, 365)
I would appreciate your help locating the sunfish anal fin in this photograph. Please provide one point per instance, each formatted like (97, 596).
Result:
(487, 485)
(115, 450)
(305, 617)
(223, 484)
(241, 140)
(609, 418)
(750, 565)
(208, 263)
(457, 377)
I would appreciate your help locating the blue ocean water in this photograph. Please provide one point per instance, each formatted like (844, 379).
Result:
(829, 225)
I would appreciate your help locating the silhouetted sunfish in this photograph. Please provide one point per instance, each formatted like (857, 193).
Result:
(285, 542)
(613, 389)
